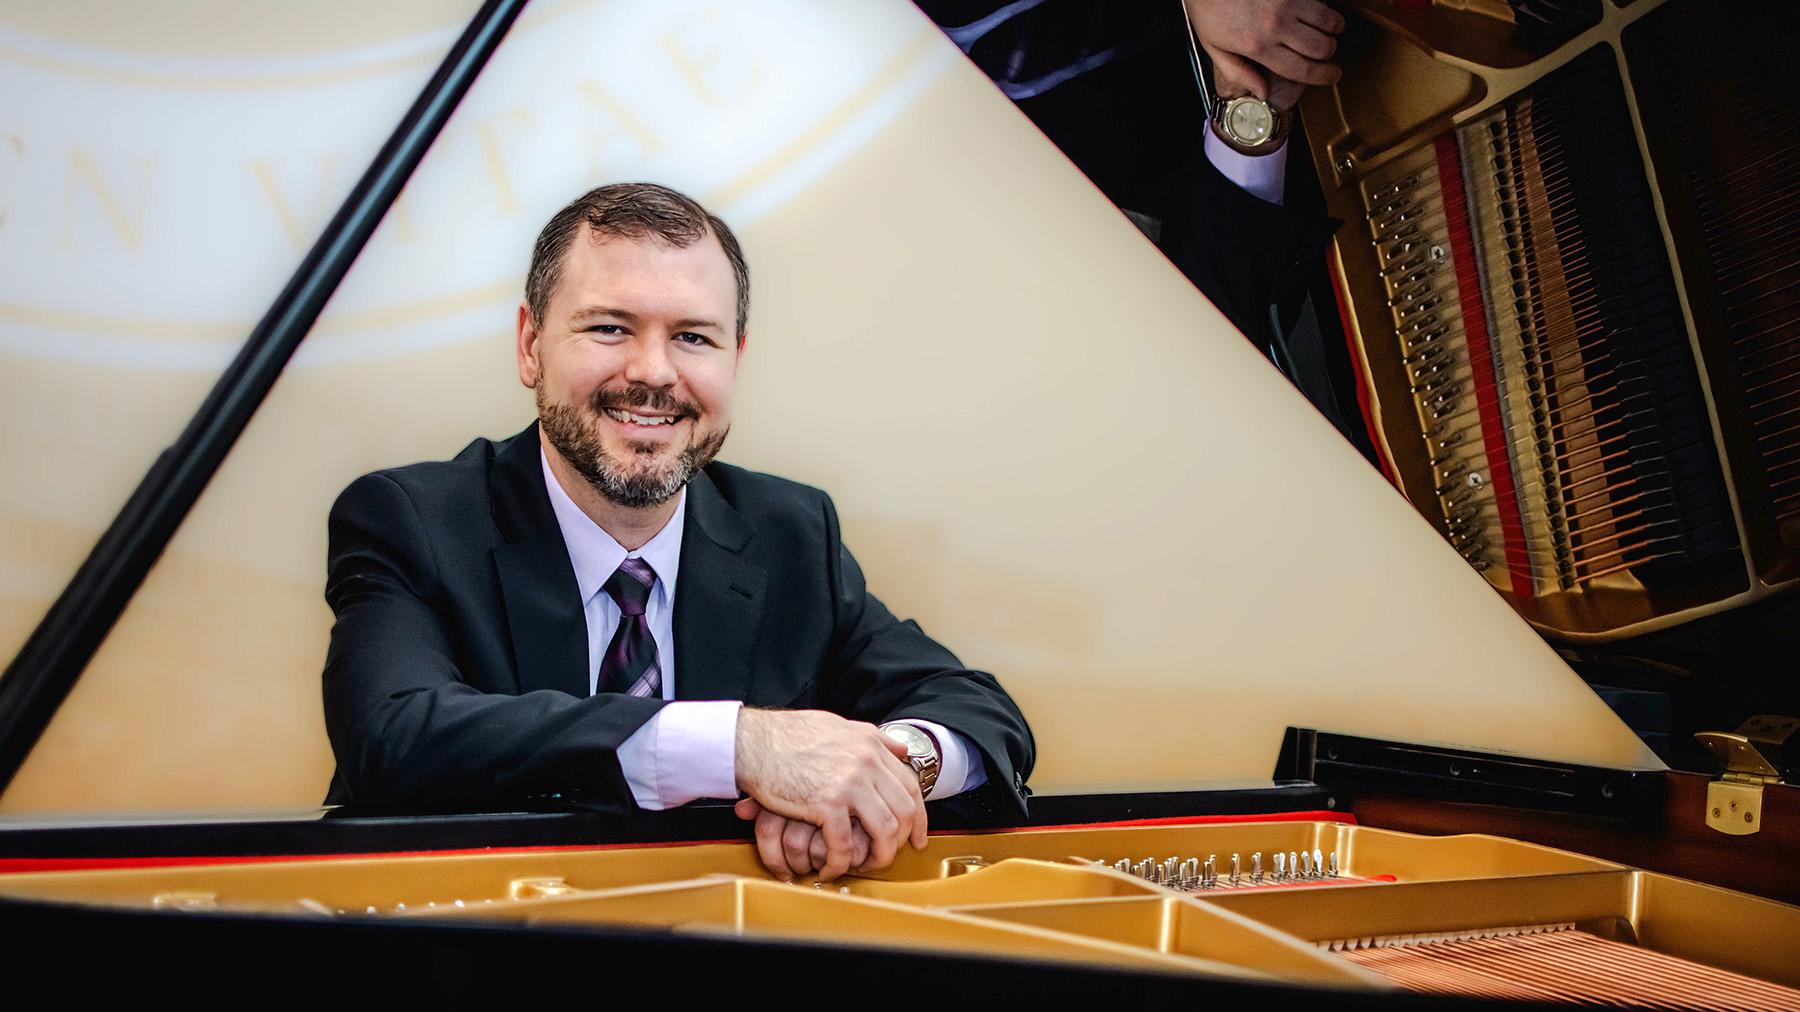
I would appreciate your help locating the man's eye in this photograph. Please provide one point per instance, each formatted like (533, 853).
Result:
(689, 337)
(606, 328)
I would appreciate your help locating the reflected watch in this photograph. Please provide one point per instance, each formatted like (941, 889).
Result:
(921, 751)
(1247, 124)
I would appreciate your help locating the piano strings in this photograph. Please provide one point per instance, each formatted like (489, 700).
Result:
(1744, 186)
(1556, 389)
(1558, 963)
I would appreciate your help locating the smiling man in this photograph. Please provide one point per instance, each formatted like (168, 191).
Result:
(596, 607)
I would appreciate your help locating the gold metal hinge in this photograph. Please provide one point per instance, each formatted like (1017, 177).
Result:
(1734, 801)
(1734, 806)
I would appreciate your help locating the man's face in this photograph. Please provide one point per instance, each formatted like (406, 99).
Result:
(635, 362)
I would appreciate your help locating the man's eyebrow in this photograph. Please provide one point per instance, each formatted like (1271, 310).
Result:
(686, 323)
(589, 311)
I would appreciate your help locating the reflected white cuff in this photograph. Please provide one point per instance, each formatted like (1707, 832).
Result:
(687, 751)
(1262, 176)
(959, 762)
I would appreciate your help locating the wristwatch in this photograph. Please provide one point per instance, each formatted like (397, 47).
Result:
(1250, 126)
(921, 751)
(1247, 124)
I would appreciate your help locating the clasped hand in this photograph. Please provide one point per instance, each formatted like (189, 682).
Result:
(1271, 49)
(827, 794)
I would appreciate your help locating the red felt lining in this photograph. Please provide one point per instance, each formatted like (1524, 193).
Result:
(1481, 362)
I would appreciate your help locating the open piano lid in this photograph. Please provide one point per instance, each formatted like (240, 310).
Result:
(1011, 405)
(1044, 443)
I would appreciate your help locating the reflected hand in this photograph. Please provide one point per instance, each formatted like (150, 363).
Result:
(1293, 40)
(817, 768)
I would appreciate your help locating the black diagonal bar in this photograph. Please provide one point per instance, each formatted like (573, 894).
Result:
(40, 677)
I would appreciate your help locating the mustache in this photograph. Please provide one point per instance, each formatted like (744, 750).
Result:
(632, 398)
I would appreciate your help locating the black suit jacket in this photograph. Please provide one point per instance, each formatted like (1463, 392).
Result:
(457, 671)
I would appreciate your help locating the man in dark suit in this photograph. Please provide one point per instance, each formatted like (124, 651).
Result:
(508, 622)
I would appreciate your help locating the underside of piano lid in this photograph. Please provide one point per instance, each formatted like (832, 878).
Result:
(1241, 569)
(1569, 273)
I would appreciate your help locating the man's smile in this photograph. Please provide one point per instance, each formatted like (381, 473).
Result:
(632, 418)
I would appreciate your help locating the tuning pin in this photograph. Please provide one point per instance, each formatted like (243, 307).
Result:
(1431, 333)
(1236, 870)
(1256, 868)
(1142, 869)
(1385, 228)
(1318, 863)
(1123, 864)
(1333, 872)
(1398, 242)
(1306, 865)
(1410, 258)
(1395, 188)
(1431, 350)
(1419, 325)
(1280, 866)
(1419, 306)
(1190, 872)
(1293, 866)
(1209, 872)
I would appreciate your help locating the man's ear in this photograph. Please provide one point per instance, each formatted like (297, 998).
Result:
(530, 369)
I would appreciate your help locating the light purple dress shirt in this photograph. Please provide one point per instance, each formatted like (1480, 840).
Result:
(689, 749)
(1264, 176)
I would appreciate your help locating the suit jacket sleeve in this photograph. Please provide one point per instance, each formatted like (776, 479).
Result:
(408, 728)
(884, 668)
(1243, 253)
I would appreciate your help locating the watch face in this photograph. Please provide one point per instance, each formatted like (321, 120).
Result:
(915, 740)
(1248, 120)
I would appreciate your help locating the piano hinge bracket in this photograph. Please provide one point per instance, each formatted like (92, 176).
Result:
(1752, 756)
(1734, 805)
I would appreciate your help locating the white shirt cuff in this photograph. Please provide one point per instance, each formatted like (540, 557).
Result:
(687, 751)
(959, 762)
(1262, 176)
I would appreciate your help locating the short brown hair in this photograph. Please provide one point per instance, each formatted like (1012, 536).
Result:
(633, 210)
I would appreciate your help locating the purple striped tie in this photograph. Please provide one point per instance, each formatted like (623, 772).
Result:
(630, 664)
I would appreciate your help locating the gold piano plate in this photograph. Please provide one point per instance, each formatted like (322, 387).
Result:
(1052, 894)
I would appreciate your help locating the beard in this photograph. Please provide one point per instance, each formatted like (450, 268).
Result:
(639, 481)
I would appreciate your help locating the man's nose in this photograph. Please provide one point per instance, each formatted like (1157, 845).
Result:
(650, 363)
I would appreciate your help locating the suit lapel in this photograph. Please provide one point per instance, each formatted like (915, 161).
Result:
(718, 599)
(537, 581)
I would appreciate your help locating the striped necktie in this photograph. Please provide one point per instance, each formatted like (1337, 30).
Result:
(630, 664)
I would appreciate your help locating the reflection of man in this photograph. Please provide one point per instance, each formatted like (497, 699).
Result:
(1112, 86)
(581, 607)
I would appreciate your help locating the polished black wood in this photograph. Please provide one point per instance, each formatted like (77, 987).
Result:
(1353, 763)
(562, 823)
(243, 959)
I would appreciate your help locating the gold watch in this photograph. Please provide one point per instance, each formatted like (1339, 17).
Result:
(1249, 125)
(921, 751)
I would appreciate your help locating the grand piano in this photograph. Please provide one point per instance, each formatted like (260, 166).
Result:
(1324, 743)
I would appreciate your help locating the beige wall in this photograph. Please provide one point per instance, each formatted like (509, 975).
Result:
(1011, 395)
